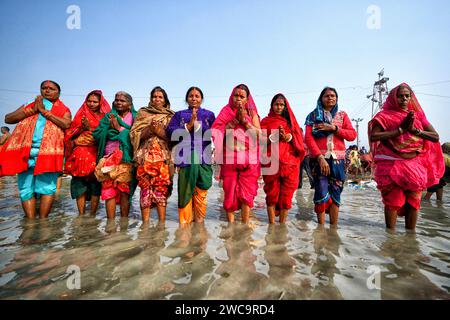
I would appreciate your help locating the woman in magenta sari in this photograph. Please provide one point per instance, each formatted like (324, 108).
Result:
(81, 151)
(407, 155)
(235, 132)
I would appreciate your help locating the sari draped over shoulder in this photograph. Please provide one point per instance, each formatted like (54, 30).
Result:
(104, 133)
(16, 151)
(282, 184)
(418, 173)
(115, 169)
(293, 151)
(237, 152)
(152, 156)
(80, 148)
(234, 145)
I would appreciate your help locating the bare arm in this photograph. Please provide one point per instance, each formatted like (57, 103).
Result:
(18, 115)
(428, 134)
(255, 125)
(378, 134)
(3, 139)
(62, 122)
(160, 132)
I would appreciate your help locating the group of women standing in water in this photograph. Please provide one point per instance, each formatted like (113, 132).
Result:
(110, 151)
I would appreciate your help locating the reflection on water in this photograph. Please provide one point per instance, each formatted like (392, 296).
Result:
(125, 259)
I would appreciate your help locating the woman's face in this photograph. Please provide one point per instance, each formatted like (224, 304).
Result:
(50, 91)
(121, 103)
(240, 98)
(93, 103)
(278, 106)
(403, 97)
(194, 99)
(329, 99)
(158, 99)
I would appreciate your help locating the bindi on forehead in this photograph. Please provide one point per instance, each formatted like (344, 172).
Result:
(49, 84)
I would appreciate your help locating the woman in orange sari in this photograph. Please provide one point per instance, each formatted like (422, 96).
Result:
(81, 151)
(35, 150)
(408, 156)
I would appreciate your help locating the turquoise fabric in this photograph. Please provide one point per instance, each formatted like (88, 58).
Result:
(29, 184)
(38, 133)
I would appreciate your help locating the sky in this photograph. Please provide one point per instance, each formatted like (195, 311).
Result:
(293, 47)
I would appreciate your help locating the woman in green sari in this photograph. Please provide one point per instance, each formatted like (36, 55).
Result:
(115, 153)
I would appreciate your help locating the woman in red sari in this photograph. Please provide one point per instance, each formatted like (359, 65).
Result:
(284, 134)
(35, 150)
(235, 132)
(408, 156)
(81, 151)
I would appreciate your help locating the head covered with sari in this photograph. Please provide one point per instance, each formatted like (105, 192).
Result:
(229, 111)
(226, 115)
(390, 118)
(391, 102)
(86, 112)
(318, 115)
(285, 119)
(83, 138)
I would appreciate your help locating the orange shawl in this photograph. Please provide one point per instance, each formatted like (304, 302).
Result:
(14, 156)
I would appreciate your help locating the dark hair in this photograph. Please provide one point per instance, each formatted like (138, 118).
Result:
(166, 98)
(285, 113)
(57, 85)
(5, 128)
(325, 90)
(403, 87)
(98, 95)
(243, 87)
(189, 91)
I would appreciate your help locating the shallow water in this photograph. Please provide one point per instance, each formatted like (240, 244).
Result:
(124, 259)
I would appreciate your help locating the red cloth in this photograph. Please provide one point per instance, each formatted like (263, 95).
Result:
(280, 187)
(291, 152)
(318, 146)
(14, 156)
(80, 151)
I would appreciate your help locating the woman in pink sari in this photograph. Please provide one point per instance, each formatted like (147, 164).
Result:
(235, 132)
(408, 157)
